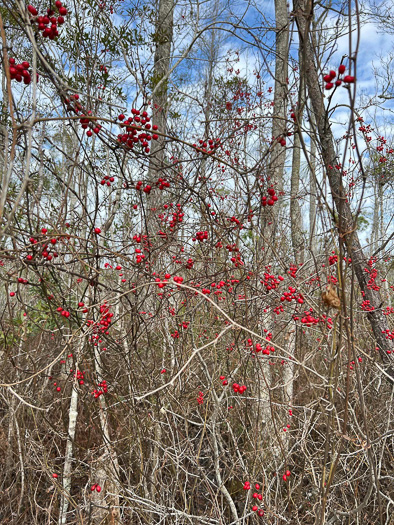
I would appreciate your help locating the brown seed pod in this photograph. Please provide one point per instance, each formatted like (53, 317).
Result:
(330, 297)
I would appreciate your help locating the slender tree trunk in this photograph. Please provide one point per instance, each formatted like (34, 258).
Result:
(279, 127)
(295, 210)
(376, 220)
(68, 459)
(346, 226)
(162, 59)
(312, 187)
(278, 152)
(163, 38)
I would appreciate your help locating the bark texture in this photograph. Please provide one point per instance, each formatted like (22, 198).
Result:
(278, 152)
(162, 59)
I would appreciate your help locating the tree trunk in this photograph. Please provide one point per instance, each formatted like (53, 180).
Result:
(278, 152)
(163, 39)
(312, 187)
(295, 210)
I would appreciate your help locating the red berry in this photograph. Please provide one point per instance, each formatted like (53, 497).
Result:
(348, 79)
(32, 10)
(12, 294)
(97, 231)
(342, 69)
(55, 475)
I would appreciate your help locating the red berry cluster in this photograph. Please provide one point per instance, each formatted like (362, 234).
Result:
(238, 389)
(309, 320)
(200, 236)
(366, 306)
(373, 273)
(102, 324)
(48, 23)
(171, 218)
(352, 363)
(162, 283)
(293, 270)
(80, 376)
(286, 475)
(208, 146)
(104, 389)
(20, 71)
(389, 335)
(137, 130)
(266, 350)
(236, 259)
(224, 380)
(47, 246)
(147, 189)
(200, 399)
(333, 259)
(107, 180)
(96, 487)
(292, 296)
(234, 219)
(64, 313)
(256, 496)
(162, 183)
(84, 121)
(328, 79)
(271, 199)
(270, 281)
